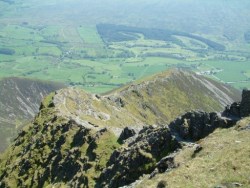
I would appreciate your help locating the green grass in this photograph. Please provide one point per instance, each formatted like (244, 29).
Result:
(20, 32)
(76, 55)
(232, 71)
(89, 35)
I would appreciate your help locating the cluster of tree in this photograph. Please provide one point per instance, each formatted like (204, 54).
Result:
(115, 33)
(7, 51)
(112, 33)
(91, 77)
(162, 54)
(31, 72)
(118, 33)
(211, 44)
(125, 54)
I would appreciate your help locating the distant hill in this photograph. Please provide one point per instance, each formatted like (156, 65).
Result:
(19, 102)
(77, 137)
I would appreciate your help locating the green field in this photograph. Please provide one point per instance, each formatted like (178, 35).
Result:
(75, 53)
(78, 56)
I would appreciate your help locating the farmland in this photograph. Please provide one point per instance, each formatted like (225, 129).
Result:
(101, 57)
(78, 56)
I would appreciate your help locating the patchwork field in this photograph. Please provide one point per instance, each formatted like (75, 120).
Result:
(102, 57)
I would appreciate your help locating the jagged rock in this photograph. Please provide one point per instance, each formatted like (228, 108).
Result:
(126, 133)
(245, 103)
(197, 125)
(141, 156)
(239, 109)
(232, 110)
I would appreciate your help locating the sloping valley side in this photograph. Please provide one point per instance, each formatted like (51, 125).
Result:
(19, 103)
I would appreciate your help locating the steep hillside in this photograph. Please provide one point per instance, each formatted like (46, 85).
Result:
(162, 97)
(19, 102)
(220, 160)
(81, 140)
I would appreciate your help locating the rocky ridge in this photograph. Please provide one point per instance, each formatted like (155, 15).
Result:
(81, 140)
(156, 100)
(124, 165)
(140, 156)
(190, 127)
(219, 160)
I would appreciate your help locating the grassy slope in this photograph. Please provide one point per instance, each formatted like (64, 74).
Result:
(224, 160)
(170, 93)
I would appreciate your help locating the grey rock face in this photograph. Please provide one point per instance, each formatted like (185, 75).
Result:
(239, 109)
(245, 104)
(233, 110)
(148, 152)
(128, 164)
(197, 125)
(126, 133)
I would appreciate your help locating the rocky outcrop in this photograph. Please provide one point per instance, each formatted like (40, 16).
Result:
(196, 125)
(245, 104)
(141, 156)
(148, 152)
(232, 110)
(239, 109)
(126, 133)
(125, 165)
